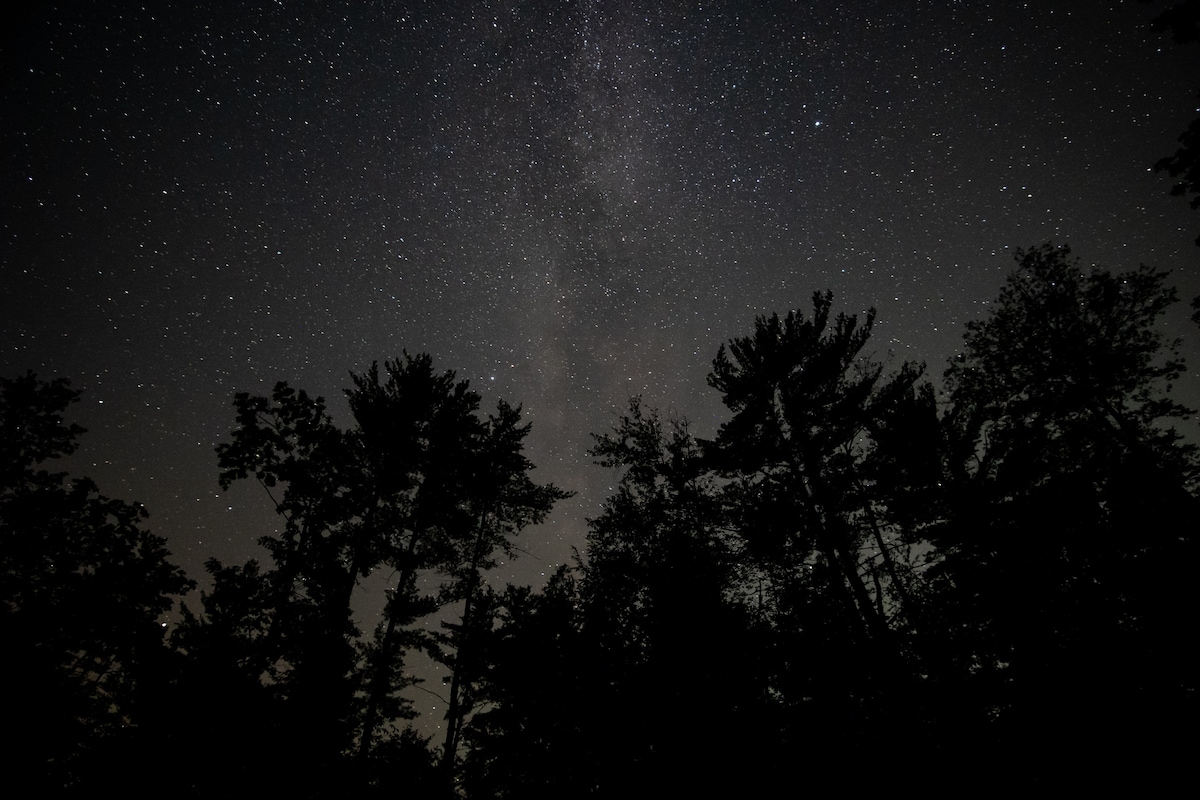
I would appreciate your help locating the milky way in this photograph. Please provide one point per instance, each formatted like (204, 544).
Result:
(567, 203)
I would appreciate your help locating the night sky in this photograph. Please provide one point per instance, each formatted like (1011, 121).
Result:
(567, 203)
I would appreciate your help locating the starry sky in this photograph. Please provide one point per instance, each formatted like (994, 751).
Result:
(567, 203)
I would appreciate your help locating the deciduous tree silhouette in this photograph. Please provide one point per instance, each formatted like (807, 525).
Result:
(501, 501)
(540, 732)
(662, 587)
(82, 587)
(421, 486)
(844, 572)
(303, 640)
(803, 492)
(609, 682)
(804, 401)
(1183, 21)
(1074, 507)
(420, 432)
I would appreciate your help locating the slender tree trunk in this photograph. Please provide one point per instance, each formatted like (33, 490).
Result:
(889, 563)
(379, 685)
(454, 711)
(832, 538)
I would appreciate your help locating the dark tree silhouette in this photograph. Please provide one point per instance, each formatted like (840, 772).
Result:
(302, 641)
(804, 400)
(420, 431)
(843, 576)
(421, 486)
(1073, 509)
(500, 501)
(82, 588)
(1070, 349)
(806, 490)
(1183, 21)
(595, 685)
(540, 726)
(660, 537)
(662, 588)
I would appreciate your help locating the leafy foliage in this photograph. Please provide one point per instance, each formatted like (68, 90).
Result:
(1183, 21)
(854, 570)
(83, 588)
(804, 405)
(421, 486)
(1070, 492)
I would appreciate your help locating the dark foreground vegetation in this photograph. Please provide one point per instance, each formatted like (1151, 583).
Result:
(860, 581)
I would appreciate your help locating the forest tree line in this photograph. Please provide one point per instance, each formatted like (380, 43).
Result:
(859, 575)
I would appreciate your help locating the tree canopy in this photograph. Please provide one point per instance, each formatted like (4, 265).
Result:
(422, 486)
(857, 568)
(82, 588)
